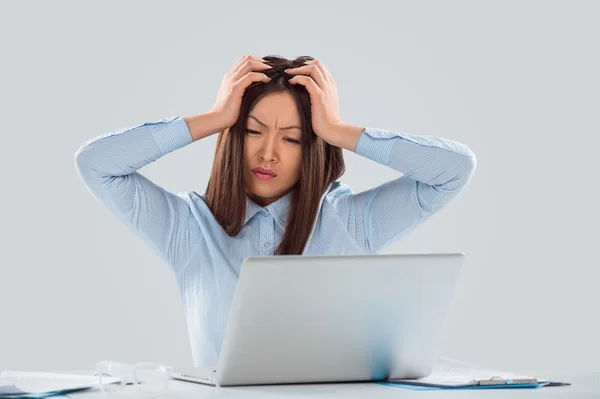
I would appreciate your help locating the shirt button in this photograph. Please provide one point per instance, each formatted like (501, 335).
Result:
(267, 244)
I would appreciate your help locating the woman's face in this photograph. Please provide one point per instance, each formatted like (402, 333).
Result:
(273, 142)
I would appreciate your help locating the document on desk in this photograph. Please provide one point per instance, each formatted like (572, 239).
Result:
(449, 373)
(14, 383)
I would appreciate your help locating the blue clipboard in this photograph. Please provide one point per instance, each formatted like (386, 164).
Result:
(423, 387)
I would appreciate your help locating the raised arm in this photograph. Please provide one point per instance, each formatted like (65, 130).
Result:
(108, 166)
(434, 171)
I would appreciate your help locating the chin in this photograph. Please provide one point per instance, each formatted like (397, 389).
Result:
(264, 191)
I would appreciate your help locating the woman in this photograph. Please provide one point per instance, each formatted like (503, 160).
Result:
(285, 121)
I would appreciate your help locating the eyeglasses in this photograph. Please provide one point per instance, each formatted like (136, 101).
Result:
(150, 378)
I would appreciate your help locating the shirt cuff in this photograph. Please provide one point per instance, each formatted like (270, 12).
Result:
(370, 144)
(370, 147)
(170, 134)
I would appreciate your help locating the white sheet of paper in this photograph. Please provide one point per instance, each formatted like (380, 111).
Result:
(34, 382)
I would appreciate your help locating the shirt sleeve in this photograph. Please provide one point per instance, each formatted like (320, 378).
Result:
(108, 166)
(434, 171)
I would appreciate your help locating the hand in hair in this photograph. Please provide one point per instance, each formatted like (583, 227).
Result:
(234, 84)
(323, 96)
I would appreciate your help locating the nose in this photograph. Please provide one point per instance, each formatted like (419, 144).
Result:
(268, 150)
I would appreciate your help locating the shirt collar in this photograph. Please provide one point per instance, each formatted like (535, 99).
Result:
(280, 209)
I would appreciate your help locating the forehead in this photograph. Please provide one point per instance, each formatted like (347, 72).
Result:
(276, 108)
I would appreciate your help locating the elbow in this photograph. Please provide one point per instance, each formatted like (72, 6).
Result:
(471, 166)
(82, 166)
(462, 179)
(462, 174)
(87, 166)
(80, 158)
(467, 166)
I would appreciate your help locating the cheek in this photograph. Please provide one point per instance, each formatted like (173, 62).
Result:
(250, 150)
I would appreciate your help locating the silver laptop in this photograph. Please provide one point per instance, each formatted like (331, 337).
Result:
(338, 318)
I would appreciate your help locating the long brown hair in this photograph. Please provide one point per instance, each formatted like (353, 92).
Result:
(322, 163)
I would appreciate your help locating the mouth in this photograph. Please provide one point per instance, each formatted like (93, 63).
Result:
(263, 172)
(262, 176)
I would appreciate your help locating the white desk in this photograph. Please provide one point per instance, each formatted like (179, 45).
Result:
(583, 386)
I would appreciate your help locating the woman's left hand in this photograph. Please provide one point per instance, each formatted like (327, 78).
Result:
(319, 83)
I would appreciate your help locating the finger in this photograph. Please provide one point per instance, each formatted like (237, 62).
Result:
(237, 64)
(248, 79)
(324, 70)
(311, 86)
(311, 70)
(245, 58)
(250, 66)
(241, 62)
(238, 61)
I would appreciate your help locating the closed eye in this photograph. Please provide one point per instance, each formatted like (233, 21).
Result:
(287, 138)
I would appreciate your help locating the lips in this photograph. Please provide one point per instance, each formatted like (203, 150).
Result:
(264, 171)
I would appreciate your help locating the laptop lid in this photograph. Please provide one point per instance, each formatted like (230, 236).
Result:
(301, 319)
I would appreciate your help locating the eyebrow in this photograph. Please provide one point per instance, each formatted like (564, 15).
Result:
(281, 128)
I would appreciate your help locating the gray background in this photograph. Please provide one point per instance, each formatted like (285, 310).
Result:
(516, 81)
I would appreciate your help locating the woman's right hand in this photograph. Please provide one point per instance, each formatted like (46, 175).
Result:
(233, 86)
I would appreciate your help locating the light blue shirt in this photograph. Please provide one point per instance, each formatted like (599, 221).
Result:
(206, 262)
